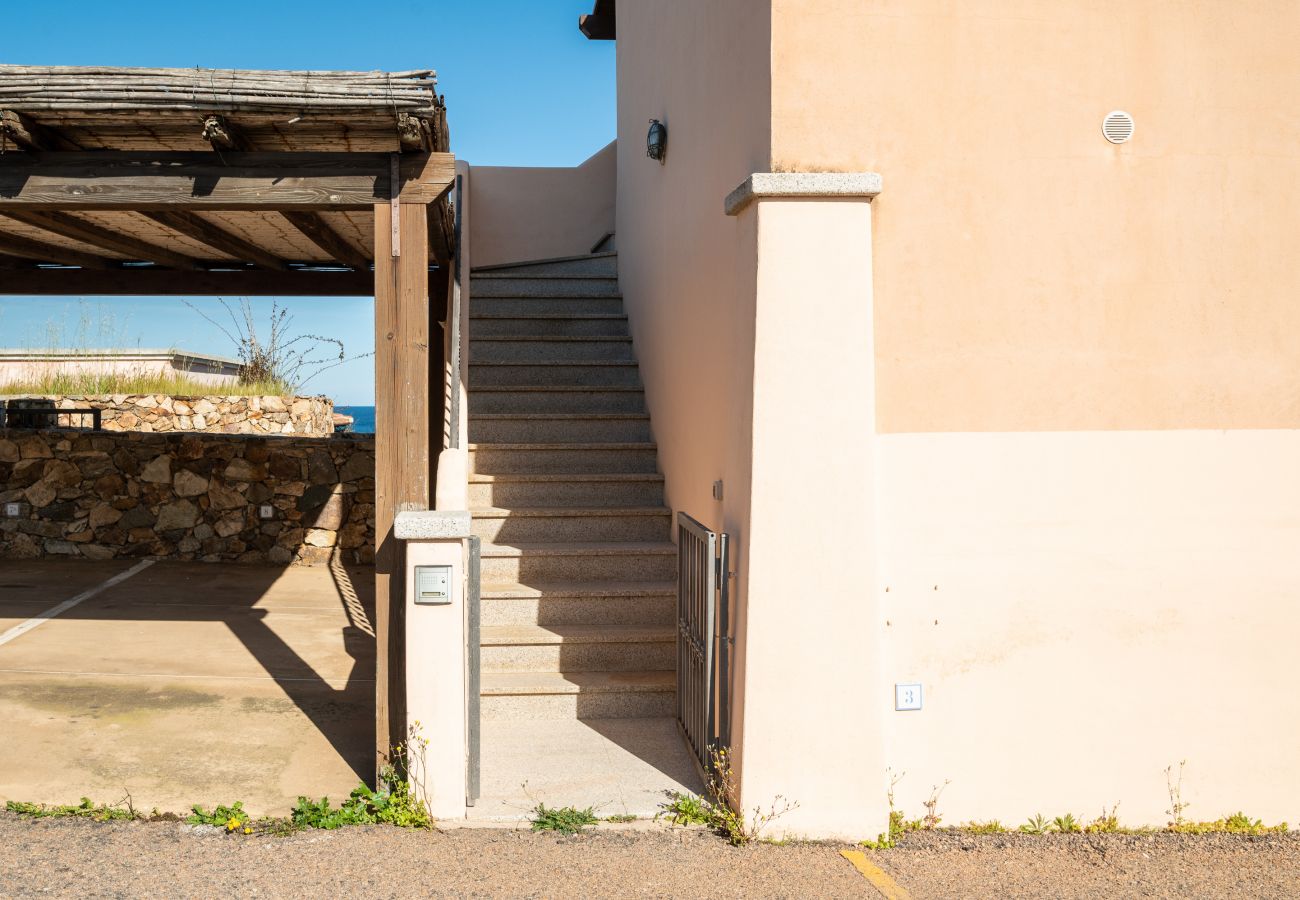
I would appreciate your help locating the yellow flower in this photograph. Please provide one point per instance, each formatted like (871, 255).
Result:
(248, 831)
(232, 824)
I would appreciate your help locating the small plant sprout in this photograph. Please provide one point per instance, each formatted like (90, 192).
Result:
(717, 810)
(1175, 787)
(1036, 825)
(1066, 824)
(1106, 823)
(992, 826)
(932, 817)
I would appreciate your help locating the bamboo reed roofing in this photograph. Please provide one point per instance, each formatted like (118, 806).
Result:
(86, 108)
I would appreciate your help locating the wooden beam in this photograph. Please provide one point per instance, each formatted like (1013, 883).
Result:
(29, 135)
(319, 233)
(216, 237)
(145, 282)
(113, 179)
(226, 135)
(26, 248)
(70, 226)
(402, 451)
(222, 135)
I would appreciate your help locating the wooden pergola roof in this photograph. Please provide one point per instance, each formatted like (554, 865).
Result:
(255, 182)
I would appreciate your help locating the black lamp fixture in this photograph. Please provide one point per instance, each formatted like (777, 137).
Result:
(656, 141)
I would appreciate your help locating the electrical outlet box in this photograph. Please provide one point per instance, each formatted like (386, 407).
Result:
(266, 512)
(13, 510)
(433, 585)
(907, 697)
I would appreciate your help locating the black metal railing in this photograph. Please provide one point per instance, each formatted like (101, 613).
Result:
(704, 639)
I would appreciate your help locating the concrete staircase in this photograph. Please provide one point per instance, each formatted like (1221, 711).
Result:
(578, 566)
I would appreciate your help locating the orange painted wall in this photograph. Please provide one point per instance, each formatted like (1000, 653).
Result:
(1030, 275)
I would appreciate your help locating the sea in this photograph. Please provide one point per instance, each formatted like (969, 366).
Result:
(363, 418)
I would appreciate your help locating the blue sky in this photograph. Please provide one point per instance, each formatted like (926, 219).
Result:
(523, 88)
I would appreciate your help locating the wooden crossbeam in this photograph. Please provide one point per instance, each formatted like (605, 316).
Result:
(322, 235)
(21, 279)
(31, 136)
(223, 134)
(113, 179)
(26, 248)
(69, 226)
(216, 237)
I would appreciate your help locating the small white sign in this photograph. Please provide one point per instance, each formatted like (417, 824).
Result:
(267, 511)
(13, 510)
(907, 697)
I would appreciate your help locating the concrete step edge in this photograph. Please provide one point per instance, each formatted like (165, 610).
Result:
(600, 548)
(540, 276)
(567, 512)
(554, 417)
(629, 445)
(550, 317)
(553, 338)
(564, 478)
(500, 590)
(570, 389)
(528, 683)
(555, 635)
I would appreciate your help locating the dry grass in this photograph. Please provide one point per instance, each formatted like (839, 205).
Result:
(92, 383)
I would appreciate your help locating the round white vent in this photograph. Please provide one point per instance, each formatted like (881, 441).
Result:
(1117, 127)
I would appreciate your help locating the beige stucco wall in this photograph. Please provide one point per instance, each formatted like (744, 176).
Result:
(1087, 608)
(540, 213)
(19, 367)
(1030, 275)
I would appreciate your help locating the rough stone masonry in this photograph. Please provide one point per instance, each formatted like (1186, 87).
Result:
(206, 497)
(212, 414)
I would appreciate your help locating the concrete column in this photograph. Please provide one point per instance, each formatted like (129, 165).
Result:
(436, 656)
(810, 690)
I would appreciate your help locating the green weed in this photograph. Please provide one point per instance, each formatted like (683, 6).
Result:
(686, 809)
(86, 809)
(621, 818)
(992, 826)
(1036, 825)
(566, 820)
(1065, 824)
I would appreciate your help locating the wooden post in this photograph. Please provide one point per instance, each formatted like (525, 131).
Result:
(402, 455)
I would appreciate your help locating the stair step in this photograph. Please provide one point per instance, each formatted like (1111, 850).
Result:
(585, 264)
(502, 285)
(531, 305)
(556, 399)
(578, 648)
(576, 372)
(584, 695)
(562, 458)
(621, 489)
(618, 560)
(555, 524)
(544, 348)
(545, 428)
(571, 324)
(599, 603)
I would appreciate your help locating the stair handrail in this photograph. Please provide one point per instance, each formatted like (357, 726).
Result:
(452, 482)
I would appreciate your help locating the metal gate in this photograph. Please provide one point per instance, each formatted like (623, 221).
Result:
(704, 639)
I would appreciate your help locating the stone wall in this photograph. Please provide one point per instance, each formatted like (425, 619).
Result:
(311, 416)
(102, 495)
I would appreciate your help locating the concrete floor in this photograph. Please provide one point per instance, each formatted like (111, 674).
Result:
(194, 683)
(615, 766)
(186, 683)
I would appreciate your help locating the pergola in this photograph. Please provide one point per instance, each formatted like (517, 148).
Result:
(244, 183)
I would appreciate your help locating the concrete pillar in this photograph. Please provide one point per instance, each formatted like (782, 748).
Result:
(436, 654)
(810, 689)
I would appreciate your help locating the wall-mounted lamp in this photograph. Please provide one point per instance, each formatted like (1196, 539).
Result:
(656, 141)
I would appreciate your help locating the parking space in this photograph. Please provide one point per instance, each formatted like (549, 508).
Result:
(186, 683)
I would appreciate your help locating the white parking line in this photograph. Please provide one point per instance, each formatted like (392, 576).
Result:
(42, 618)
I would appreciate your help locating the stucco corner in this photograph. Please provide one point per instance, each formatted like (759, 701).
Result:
(803, 185)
